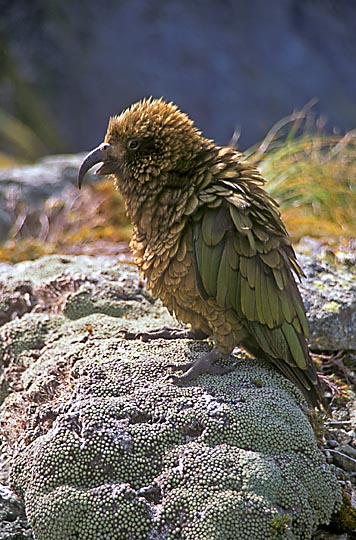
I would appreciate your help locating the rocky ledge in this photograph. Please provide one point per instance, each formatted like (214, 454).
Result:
(102, 445)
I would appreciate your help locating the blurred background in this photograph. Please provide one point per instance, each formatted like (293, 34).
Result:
(234, 66)
(66, 66)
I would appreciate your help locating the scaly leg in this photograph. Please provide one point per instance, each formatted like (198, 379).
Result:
(166, 332)
(203, 364)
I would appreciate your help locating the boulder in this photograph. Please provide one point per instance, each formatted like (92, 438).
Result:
(329, 294)
(109, 447)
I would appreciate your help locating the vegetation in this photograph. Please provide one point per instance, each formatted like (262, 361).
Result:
(312, 175)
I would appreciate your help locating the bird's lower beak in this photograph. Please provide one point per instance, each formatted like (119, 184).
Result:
(98, 155)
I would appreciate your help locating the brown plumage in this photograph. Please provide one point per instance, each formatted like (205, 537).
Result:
(208, 239)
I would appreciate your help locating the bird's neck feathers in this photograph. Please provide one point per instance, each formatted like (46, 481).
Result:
(157, 210)
(167, 195)
(159, 221)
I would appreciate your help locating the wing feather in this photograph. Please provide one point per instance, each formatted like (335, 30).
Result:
(246, 262)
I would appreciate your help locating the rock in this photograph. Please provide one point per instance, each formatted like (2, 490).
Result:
(109, 447)
(36, 183)
(5, 224)
(31, 185)
(323, 535)
(15, 300)
(329, 294)
(345, 457)
(13, 522)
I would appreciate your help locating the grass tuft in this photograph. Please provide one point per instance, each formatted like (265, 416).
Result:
(312, 175)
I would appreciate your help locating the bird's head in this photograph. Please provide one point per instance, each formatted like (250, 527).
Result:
(149, 140)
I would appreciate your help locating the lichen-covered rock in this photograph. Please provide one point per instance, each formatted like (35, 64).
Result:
(16, 299)
(329, 294)
(13, 523)
(114, 450)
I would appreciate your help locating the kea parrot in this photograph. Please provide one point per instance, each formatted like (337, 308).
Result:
(209, 241)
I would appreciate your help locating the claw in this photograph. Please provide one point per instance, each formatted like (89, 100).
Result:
(166, 332)
(181, 367)
(204, 364)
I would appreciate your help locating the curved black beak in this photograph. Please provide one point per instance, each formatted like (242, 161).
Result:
(98, 155)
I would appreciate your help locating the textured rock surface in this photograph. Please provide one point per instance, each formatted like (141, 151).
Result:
(111, 448)
(329, 294)
(13, 522)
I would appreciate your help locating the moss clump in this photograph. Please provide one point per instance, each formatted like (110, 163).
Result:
(211, 490)
(85, 301)
(344, 521)
(22, 335)
(196, 460)
(111, 512)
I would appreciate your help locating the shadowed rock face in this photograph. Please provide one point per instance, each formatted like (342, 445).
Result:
(228, 64)
(112, 447)
(329, 294)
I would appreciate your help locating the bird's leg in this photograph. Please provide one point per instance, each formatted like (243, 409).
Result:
(204, 364)
(166, 332)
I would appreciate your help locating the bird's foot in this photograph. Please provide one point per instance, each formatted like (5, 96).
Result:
(204, 364)
(166, 332)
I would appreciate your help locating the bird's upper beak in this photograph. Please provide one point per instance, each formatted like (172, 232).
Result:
(98, 155)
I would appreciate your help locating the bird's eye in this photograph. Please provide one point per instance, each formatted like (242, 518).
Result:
(133, 144)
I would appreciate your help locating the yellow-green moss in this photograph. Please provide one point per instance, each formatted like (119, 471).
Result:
(332, 306)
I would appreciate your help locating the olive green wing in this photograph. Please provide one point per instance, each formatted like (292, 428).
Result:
(244, 260)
